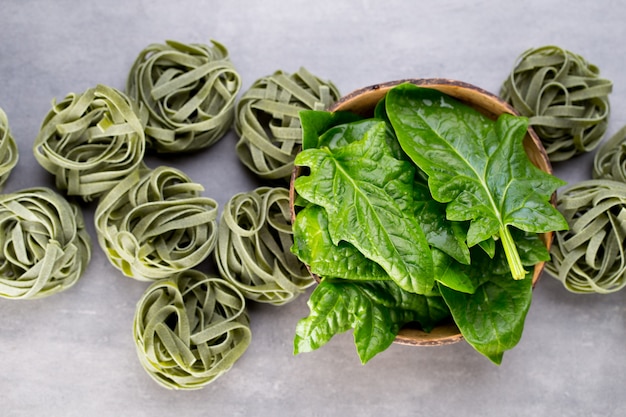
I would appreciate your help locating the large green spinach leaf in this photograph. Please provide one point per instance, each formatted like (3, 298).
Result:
(314, 246)
(443, 234)
(477, 166)
(316, 122)
(376, 310)
(485, 266)
(366, 192)
(492, 318)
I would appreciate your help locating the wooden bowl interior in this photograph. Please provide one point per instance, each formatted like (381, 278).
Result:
(363, 102)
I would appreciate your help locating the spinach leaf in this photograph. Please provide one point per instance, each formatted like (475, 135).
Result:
(441, 233)
(489, 246)
(376, 310)
(531, 248)
(342, 135)
(492, 318)
(453, 274)
(486, 266)
(380, 113)
(313, 246)
(315, 122)
(477, 166)
(366, 192)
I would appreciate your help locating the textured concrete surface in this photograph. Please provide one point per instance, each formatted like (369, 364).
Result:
(73, 354)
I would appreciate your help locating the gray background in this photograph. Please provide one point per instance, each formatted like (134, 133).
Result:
(72, 354)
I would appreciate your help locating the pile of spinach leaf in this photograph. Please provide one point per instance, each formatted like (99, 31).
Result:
(426, 211)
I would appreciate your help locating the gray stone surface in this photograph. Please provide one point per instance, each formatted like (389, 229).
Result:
(73, 354)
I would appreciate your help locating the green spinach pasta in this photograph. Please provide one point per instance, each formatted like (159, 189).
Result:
(254, 247)
(189, 91)
(610, 159)
(267, 120)
(91, 141)
(590, 257)
(8, 149)
(45, 247)
(155, 223)
(564, 98)
(190, 329)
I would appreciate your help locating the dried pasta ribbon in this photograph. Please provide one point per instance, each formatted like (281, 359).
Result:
(564, 98)
(155, 223)
(91, 141)
(44, 246)
(254, 247)
(8, 149)
(610, 159)
(590, 257)
(189, 91)
(268, 124)
(190, 329)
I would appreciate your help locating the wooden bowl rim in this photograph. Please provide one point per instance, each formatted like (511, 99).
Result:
(445, 333)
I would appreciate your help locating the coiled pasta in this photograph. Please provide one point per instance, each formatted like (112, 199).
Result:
(91, 141)
(155, 223)
(189, 91)
(8, 149)
(267, 120)
(44, 245)
(590, 257)
(253, 249)
(564, 98)
(190, 329)
(610, 160)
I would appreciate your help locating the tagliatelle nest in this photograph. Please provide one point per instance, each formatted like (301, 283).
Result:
(610, 159)
(190, 329)
(8, 149)
(564, 98)
(268, 124)
(253, 249)
(44, 247)
(591, 256)
(91, 141)
(155, 223)
(189, 91)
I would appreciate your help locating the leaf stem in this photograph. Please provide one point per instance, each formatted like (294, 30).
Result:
(512, 256)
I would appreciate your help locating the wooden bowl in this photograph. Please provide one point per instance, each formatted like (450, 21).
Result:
(364, 100)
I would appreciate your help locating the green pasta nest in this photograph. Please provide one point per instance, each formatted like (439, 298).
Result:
(155, 223)
(590, 257)
(189, 91)
(190, 329)
(8, 149)
(564, 98)
(254, 247)
(91, 141)
(610, 160)
(268, 124)
(44, 245)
